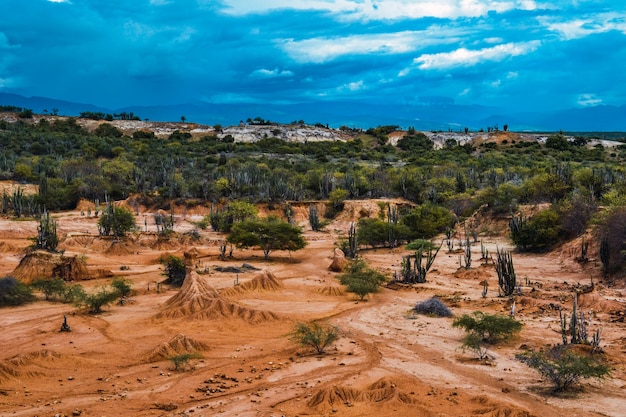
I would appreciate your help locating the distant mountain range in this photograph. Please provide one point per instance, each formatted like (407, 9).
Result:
(424, 116)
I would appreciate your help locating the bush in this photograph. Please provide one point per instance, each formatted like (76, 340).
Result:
(361, 279)
(490, 328)
(95, 301)
(314, 335)
(116, 221)
(181, 361)
(14, 292)
(50, 287)
(537, 234)
(426, 221)
(175, 270)
(122, 287)
(564, 367)
(433, 307)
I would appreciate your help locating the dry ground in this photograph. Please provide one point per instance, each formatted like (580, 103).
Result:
(386, 363)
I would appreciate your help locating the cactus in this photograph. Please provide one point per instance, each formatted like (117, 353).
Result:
(605, 255)
(506, 273)
(392, 221)
(314, 218)
(414, 272)
(352, 246)
(468, 253)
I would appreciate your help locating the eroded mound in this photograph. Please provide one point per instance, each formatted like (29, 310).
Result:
(42, 264)
(121, 248)
(198, 300)
(382, 390)
(599, 304)
(489, 408)
(12, 368)
(264, 281)
(178, 345)
(332, 291)
(7, 247)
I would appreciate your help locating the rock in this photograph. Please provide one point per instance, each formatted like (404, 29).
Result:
(339, 261)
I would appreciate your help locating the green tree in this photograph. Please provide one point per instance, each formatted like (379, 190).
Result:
(50, 287)
(538, 233)
(314, 335)
(490, 328)
(565, 367)
(235, 211)
(269, 234)
(116, 221)
(361, 279)
(14, 292)
(175, 270)
(99, 299)
(122, 286)
(427, 220)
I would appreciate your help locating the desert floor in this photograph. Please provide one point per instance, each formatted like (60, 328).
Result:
(387, 362)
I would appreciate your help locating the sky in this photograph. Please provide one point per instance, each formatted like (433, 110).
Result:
(518, 55)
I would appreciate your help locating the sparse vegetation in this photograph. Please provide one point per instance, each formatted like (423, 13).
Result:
(182, 362)
(564, 366)
(360, 279)
(269, 234)
(314, 335)
(175, 270)
(14, 292)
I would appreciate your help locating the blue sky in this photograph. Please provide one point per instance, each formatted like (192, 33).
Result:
(518, 55)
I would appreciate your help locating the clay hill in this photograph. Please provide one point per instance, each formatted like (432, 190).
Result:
(230, 325)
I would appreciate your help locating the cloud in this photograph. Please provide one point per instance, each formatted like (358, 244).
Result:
(325, 49)
(587, 25)
(376, 10)
(464, 58)
(588, 100)
(275, 73)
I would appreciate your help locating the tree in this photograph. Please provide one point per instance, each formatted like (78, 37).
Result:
(564, 366)
(427, 220)
(96, 300)
(269, 234)
(490, 328)
(116, 221)
(361, 279)
(175, 270)
(14, 292)
(50, 287)
(235, 211)
(314, 335)
(122, 286)
(183, 118)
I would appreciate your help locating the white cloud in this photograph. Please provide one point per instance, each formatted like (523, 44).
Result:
(588, 100)
(320, 50)
(382, 10)
(59, 1)
(466, 57)
(587, 25)
(275, 73)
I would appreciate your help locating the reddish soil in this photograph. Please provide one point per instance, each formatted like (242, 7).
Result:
(387, 362)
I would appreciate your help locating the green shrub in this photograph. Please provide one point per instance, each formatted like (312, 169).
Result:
(538, 233)
(122, 287)
(361, 279)
(175, 270)
(490, 328)
(95, 301)
(428, 220)
(14, 292)
(314, 335)
(564, 366)
(51, 288)
(181, 362)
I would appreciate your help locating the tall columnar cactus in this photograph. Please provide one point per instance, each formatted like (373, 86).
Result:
(605, 254)
(414, 272)
(314, 218)
(506, 273)
(392, 221)
(468, 253)
(352, 247)
(47, 238)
